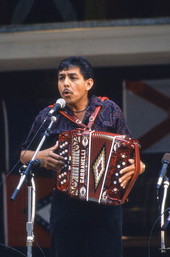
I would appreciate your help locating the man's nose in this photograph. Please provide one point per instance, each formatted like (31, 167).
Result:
(66, 81)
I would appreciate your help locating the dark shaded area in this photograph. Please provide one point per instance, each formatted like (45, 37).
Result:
(45, 11)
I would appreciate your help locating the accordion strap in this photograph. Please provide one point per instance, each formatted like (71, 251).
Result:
(95, 113)
(91, 118)
(73, 119)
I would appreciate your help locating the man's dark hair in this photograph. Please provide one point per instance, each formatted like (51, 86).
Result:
(77, 61)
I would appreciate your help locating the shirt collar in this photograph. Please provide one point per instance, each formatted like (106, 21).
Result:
(93, 102)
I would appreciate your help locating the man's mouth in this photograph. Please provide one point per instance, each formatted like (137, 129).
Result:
(66, 92)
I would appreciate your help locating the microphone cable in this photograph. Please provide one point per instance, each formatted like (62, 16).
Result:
(13, 249)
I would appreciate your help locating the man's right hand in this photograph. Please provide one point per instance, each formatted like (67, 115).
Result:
(48, 158)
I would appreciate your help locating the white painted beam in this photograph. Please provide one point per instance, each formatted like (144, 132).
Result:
(103, 46)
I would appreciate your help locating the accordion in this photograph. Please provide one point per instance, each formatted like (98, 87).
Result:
(92, 163)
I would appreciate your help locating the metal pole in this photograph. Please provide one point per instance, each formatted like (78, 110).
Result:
(165, 186)
(31, 217)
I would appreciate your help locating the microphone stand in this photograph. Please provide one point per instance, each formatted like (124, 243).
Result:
(27, 173)
(165, 187)
(31, 215)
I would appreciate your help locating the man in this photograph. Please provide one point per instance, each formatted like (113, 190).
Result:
(80, 228)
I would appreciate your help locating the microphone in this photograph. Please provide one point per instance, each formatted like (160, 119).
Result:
(165, 163)
(60, 104)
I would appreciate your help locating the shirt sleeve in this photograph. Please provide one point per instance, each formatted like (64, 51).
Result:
(121, 126)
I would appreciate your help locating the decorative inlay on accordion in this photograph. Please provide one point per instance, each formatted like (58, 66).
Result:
(93, 161)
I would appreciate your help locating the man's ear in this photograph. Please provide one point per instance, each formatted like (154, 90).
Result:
(89, 83)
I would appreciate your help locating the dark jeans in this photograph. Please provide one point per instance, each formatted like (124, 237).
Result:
(84, 229)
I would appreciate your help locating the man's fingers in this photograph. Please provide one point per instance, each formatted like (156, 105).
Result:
(54, 164)
(125, 178)
(53, 148)
(126, 175)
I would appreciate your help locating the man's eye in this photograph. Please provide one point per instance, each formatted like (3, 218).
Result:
(60, 78)
(73, 78)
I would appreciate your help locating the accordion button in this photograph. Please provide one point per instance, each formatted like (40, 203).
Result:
(83, 191)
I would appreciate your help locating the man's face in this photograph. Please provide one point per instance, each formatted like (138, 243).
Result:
(72, 86)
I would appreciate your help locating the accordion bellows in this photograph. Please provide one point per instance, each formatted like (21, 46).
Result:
(93, 160)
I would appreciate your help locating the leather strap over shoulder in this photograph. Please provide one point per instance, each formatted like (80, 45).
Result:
(91, 118)
(73, 119)
(103, 98)
(95, 113)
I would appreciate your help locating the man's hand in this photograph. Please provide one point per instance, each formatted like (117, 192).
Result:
(48, 158)
(51, 160)
(128, 172)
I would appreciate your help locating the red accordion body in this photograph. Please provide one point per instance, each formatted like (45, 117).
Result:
(93, 161)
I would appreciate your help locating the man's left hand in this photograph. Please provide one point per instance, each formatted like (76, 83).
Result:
(128, 172)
